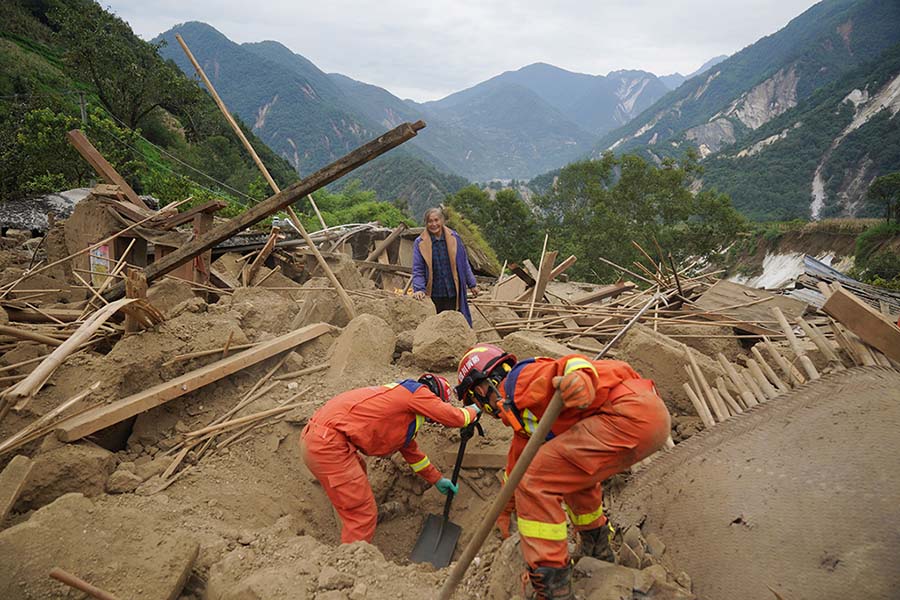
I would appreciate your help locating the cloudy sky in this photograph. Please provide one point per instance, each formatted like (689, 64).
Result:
(427, 49)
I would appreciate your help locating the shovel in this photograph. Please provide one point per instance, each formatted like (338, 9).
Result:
(437, 542)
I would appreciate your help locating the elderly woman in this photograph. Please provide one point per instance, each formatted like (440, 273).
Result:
(441, 266)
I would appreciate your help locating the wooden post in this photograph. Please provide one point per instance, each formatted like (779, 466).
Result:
(754, 387)
(699, 406)
(790, 372)
(202, 223)
(704, 385)
(764, 384)
(383, 245)
(105, 170)
(824, 346)
(135, 287)
(727, 397)
(773, 377)
(807, 365)
(250, 270)
(80, 584)
(535, 291)
(280, 201)
(739, 384)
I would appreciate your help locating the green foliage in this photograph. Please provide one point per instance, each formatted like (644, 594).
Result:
(507, 223)
(350, 205)
(885, 193)
(869, 242)
(472, 237)
(597, 208)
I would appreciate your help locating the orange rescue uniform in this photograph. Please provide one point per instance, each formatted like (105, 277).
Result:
(375, 421)
(626, 422)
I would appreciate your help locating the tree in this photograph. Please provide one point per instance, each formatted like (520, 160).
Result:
(886, 190)
(507, 223)
(129, 77)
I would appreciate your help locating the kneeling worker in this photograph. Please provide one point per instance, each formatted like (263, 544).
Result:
(612, 418)
(375, 421)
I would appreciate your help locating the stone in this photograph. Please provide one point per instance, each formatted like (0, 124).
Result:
(24, 351)
(402, 313)
(122, 481)
(331, 595)
(332, 579)
(603, 580)
(166, 294)
(662, 590)
(367, 342)
(128, 553)
(655, 545)
(684, 580)
(528, 344)
(629, 558)
(359, 591)
(440, 341)
(319, 305)
(81, 467)
(405, 341)
(506, 570)
(633, 538)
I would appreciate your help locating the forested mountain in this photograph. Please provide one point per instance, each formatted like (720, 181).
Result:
(764, 80)
(818, 159)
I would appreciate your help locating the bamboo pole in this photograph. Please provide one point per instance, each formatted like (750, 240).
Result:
(295, 221)
(807, 365)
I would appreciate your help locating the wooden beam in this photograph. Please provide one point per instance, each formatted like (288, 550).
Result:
(477, 459)
(188, 215)
(105, 170)
(106, 415)
(250, 270)
(273, 204)
(135, 287)
(12, 482)
(562, 267)
(868, 324)
(522, 274)
(609, 291)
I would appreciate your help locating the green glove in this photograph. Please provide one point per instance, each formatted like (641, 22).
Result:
(444, 486)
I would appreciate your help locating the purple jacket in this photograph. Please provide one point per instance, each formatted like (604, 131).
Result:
(463, 277)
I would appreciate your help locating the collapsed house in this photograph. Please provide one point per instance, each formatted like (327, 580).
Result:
(158, 367)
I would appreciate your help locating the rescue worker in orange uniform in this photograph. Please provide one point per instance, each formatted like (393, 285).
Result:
(375, 421)
(612, 418)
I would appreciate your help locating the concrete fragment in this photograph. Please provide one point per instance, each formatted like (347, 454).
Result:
(527, 344)
(441, 340)
(81, 467)
(366, 342)
(128, 553)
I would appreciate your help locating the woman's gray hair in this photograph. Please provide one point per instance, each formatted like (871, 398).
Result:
(432, 210)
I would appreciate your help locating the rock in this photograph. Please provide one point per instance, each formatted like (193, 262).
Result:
(81, 467)
(662, 590)
(655, 545)
(122, 481)
(319, 305)
(629, 557)
(660, 358)
(441, 340)
(263, 310)
(528, 344)
(405, 341)
(604, 581)
(367, 342)
(166, 294)
(402, 313)
(331, 595)
(346, 272)
(359, 591)
(633, 538)
(684, 580)
(24, 351)
(128, 553)
(331, 579)
(149, 468)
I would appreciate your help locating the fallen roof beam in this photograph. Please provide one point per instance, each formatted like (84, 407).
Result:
(105, 170)
(106, 415)
(188, 215)
(273, 204)
(871, 326)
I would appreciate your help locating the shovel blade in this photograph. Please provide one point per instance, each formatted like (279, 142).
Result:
(437, 542)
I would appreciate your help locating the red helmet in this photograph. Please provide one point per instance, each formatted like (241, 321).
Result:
(438, 385)
(479, 363)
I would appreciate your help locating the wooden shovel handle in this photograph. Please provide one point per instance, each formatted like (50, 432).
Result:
(80, 584)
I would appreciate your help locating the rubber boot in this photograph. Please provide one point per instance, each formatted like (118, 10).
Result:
(551, 583)
(595, 542)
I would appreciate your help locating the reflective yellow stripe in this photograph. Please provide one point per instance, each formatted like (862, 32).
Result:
(573, 364)
(419, 420)
(391, 385)
(529, 421)
(475, 349)
(422, 464)
(505, 476)
(587, 518)
(468, 416)
(543, 531)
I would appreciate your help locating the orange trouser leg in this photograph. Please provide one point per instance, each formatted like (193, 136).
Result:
(571, 466)
(336, 464)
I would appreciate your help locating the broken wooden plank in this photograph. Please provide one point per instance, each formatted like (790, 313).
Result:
(868, 324)
(799, 352)
(12, 482)
(478, 459)
(279, 201)
(562, 267)
(609, 291)
(103, 416)
(105, 170)
(33, 336)
(19, 314)
(753, 316)
(188, 215)
(250, 270)
(522, 274)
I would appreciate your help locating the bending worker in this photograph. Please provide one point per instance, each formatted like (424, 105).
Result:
(375, 421)
(612, 418)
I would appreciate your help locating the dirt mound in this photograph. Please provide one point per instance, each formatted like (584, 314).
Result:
(365, 345)
(167, 294)
(527, 344)
(400, 312)
(57, 291)
(346, 271)
(662, 359)
(707, 340)
(125, 552)
(65, 468)
(441, 340)
(24, 351)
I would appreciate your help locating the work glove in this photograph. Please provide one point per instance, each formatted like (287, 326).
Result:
(477, 408)
(576, 389)
(444, 486)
